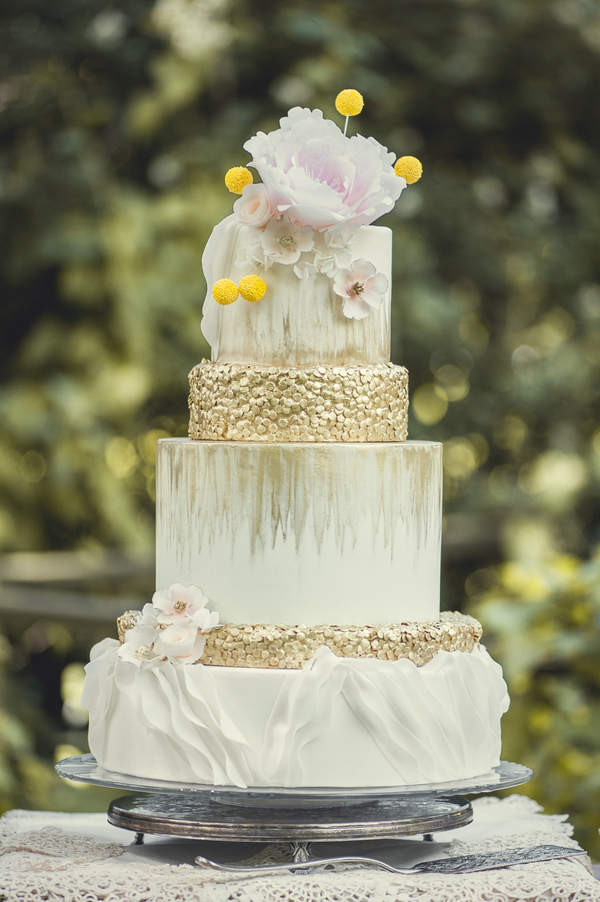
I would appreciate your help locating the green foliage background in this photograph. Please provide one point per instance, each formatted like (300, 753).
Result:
(118, 123)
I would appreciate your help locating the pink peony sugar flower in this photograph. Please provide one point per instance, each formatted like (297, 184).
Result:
(283, 241)
(181, 604)
(321, 178)
(361, 288)
(180, 643)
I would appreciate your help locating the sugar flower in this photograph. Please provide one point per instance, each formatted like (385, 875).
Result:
(361, 288)
(139, 646)
(334, 252)
(180, 643)
(237, 178)
(283, 242)
(252, 288)
(349, 102)
(319, 177)
(254, 207)
(182, 604)
(408, 168)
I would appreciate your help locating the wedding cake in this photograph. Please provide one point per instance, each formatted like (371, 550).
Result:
(295, 638)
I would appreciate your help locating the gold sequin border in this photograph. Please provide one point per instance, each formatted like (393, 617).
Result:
(248, 403)
(290, 647)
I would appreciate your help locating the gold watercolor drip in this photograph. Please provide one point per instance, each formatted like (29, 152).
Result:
(224, 488)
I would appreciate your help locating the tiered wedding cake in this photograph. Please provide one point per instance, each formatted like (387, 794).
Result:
(298, 511)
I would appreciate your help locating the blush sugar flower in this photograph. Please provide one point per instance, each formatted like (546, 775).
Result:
(180, 643)
(254, 207)
(179, 604)
(361, 288)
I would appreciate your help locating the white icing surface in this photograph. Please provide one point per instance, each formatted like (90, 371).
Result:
(337, 722)
(342, 533)
(297, 322)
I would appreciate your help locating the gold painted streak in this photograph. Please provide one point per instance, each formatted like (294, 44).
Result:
(240, 402)
(222, 489)
(300, 323)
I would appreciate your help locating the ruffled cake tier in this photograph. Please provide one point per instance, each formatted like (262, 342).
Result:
(336, 722)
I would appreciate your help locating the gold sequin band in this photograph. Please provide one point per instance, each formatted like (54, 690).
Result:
(290, 647)
(247, 403)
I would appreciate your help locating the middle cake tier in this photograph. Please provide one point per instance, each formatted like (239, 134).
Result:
(286, 532)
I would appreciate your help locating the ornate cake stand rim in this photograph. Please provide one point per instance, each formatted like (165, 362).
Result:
(84, 769)
(264, 826)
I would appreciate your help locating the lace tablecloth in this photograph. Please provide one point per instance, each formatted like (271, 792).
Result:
(50, 857)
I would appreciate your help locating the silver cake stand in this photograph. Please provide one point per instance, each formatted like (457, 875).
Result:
(281, 814)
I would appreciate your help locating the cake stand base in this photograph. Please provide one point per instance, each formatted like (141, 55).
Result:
(297, 816)
(201, 817)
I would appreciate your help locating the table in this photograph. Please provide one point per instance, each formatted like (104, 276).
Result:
(81, 858)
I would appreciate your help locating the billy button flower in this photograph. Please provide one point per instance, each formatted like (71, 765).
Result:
(349, 103)
(252, 288)
(237, 178)
(225, 292)
(408, 168)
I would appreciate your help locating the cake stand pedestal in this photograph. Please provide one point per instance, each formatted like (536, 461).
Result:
(295, 816)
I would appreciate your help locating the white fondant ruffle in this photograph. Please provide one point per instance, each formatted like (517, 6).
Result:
(337, 722)
(217, 260)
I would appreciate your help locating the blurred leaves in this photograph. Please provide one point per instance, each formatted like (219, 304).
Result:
(541, 615)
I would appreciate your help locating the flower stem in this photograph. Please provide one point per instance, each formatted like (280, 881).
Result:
(346, 124)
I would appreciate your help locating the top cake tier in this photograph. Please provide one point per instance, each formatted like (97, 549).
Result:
(299, 321)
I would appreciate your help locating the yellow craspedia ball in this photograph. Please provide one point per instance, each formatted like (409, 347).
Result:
(252, 288)
(237, 178)
(408, 168)
(349, 102)
(225, 292)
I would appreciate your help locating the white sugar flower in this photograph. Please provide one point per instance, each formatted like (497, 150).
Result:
(181, 643)
(139, 647)
(321, 178)
(204, 619)
(149, 616)
(179, 604)
(361, 288)
(304, 269)
(334, 251)
(340, 239)
(250, 254)
(283, 242)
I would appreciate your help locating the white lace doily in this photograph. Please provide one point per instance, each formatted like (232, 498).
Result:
(49, 857)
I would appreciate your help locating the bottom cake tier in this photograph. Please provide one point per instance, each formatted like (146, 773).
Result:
(337, 722)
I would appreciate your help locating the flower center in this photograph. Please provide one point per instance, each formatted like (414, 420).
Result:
(286, 240)
(358, 288)
(145, 651)
(180, 605)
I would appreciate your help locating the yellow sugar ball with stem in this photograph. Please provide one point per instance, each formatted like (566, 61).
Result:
(225, 292)
(349, 102)
(252, 288)
(237, 178)
(408, 168)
